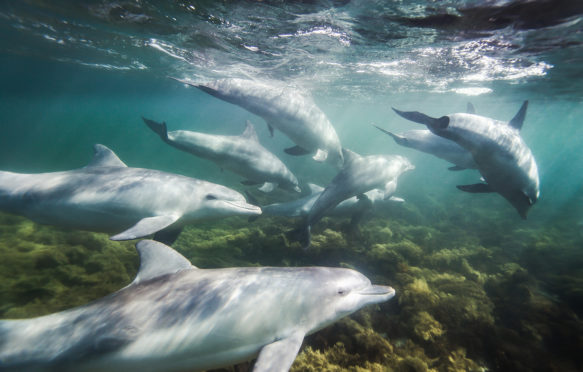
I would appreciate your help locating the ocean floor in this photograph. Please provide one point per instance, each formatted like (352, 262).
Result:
(467, 299)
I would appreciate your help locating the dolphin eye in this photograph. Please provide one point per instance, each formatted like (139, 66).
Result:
(343, 291)
(211, 197)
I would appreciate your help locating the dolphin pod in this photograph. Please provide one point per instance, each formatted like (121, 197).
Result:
(285, 109)
(208, 318)
(108, 196)
(359, 175)
(242, 154)
(503, 158)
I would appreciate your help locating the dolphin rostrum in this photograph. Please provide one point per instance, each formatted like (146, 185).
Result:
(284, 108)
(242, 154)
(504, 160)
(176, 317)
(359, 175)
(108, 196)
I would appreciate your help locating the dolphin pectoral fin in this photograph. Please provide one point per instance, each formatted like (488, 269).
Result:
(270, 128)
(146, 226)
(104, 157)
(396, 199)
(268, 187)
(477, 188)
(418, 117)
(158, 128)
(169, 235)
(279, 355)
(518, 119)
(470, 109)
(456, 168)
(296, 151)
(250, 183)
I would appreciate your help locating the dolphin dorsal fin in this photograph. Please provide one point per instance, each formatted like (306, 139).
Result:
(470, 109)
(249, 132)
(314, 189)
(104, 157)
(518, 119)
(349, 155)
(157, 259)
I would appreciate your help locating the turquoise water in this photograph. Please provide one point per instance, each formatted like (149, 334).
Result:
(78, 74)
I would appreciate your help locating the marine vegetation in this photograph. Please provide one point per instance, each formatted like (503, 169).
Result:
(466, 300)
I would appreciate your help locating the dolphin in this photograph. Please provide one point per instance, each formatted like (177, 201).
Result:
(286, 109)
(302, 206)
(176, 317)
(373, 200)
(242, 154)
(504, 160)
(359, 175)
(108, 196)
(425, 141)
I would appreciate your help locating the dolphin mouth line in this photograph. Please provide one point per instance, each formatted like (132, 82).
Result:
(378, 290)
(246, 206)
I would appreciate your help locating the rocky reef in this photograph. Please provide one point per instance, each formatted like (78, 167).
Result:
(466, 300)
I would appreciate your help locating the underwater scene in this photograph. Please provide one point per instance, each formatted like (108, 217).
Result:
(291, 185)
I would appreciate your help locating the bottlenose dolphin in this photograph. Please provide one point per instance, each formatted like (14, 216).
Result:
(108, 196)
(504, 160)
(350, 207)
(174, 317)
(359, 175)
(242, 154)
(285, 109)
(425, 141)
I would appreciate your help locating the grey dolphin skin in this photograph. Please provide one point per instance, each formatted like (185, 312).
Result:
(301, 207)
(242, 155)
(108, 196)
(359, 175)
(284, 108)
(176, 317)
(503, 159)
(425, 141)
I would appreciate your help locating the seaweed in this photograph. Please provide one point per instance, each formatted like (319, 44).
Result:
(465, 301)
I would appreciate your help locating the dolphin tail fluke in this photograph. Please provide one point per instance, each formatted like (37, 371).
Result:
(417, 117)
(301, 235)
(158, 128)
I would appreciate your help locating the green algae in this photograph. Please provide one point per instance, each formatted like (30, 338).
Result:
(465, 301)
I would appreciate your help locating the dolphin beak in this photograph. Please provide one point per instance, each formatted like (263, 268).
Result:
(245, 208)
(417, 117)
(379, 290)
